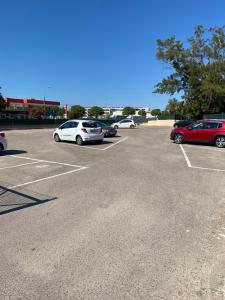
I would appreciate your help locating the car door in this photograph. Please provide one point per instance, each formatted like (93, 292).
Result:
(125, 124)
(193, 131)
(208, 131)
(66, 131)
(72, 131)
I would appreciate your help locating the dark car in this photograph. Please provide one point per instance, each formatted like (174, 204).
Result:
(182, 123)
(210, 131)
(107, 130)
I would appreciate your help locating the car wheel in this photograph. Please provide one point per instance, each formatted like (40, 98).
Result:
(116, 127)
(220, 141)
(178, 138)
(56, 138)
(131, 126)
(79, 140)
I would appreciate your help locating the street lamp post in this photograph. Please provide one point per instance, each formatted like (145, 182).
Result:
(48, 87)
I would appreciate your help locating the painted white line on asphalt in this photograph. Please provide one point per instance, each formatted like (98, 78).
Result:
(21, 165)
(46, 178)
(110, 146)
(96, 148)
(210, 169)
(186, 157)
(47, 161)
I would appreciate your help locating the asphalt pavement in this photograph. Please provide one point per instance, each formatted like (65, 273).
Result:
(137, 217)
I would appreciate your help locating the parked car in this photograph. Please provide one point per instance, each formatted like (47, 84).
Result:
(107, 130)
(125, 123)
(210, 131)
(182, 123)
(79, 131)
(3, 142)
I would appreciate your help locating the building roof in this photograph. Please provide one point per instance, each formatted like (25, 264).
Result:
(32, 102)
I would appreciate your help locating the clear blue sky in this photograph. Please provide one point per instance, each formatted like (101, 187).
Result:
(93, 52)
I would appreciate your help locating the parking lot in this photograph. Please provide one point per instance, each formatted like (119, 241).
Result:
(136, 217)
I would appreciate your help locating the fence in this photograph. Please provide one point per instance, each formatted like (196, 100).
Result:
(214, 116)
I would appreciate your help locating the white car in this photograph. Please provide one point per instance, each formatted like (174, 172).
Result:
(3, 142)
(79, 131)
(126, 123)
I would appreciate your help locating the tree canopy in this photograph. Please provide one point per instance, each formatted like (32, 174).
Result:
(128, 110)
(76, 112)
(142, 112)
(96, 111)
(155, 112)
(198, 70)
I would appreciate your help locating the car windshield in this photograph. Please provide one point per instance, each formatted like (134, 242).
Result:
(90, 125)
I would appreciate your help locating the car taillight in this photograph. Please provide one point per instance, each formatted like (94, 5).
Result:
(2, 134)
(84, 130)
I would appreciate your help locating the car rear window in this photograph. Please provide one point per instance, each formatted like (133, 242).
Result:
(89, 125)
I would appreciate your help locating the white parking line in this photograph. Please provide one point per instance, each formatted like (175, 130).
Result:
(47, 161)
(21, 165)
(124, 139)
(46, 178)
(185, 156)
(210, 169)
(196, 167)
(100, 149)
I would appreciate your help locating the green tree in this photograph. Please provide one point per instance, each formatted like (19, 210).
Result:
(198, 70)
(76, 112)
(173, 106)
(127, 110)
(155, 112)
(3, 103)
(96, 111)
(142, 113)
(56, 111)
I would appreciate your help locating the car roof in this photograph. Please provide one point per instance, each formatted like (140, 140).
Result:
(81, 120)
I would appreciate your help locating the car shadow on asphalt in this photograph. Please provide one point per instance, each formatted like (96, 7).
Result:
(203, 144)
(12, 152)
(11, 200)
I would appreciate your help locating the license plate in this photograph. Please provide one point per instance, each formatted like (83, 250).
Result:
(94, 130)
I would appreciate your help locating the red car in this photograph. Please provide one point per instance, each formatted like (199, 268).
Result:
(210, 131)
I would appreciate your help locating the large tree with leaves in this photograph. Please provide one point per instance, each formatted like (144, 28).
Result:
(76, 112)
(128, 110)
(96, 111)
(198, 70)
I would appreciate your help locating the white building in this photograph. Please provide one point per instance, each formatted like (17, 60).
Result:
(118, 111)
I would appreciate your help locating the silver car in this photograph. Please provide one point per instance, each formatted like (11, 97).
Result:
(79, 131)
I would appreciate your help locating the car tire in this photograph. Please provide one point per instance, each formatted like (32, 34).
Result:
(56, 138)
(132, 126)
(178, 138)
(220, 141)
(116, 127)
(79, 140)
